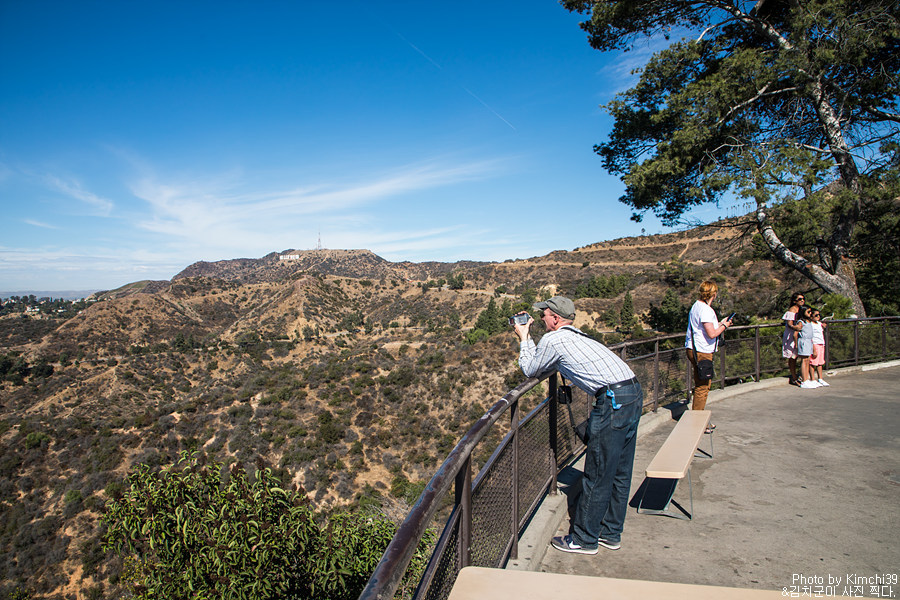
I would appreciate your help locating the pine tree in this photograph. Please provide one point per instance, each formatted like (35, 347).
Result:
(769, 100)
(626, 315)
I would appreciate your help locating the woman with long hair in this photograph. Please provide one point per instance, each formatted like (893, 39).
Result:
(789, 338)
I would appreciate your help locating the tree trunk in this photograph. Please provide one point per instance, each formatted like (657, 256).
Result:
(840, 278)
(842, 281)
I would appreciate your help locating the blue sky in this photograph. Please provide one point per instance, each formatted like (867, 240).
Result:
(139, 137)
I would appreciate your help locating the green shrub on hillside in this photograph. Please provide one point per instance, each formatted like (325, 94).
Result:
(670, 316)
(194, 534)
(603, 287)
(837, 305)
(626, 315)
(474, 336)
(187, 531)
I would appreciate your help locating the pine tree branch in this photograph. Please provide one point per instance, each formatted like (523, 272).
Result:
(883, 115)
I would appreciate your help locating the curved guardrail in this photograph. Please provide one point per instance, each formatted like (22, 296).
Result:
(489, 512)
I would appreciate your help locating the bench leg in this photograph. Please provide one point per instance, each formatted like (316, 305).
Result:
(665, 512)
(704, 453)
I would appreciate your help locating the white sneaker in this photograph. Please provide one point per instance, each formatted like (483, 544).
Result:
(823, 383)
(809, 385)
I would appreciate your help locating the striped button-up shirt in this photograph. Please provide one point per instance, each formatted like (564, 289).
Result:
(585, 362)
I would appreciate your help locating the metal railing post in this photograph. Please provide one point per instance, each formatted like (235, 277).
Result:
(514, 509)
(756, 353)
(463, 494)
(688, 377)
(722, 362)
(856, 342)
(656, 376)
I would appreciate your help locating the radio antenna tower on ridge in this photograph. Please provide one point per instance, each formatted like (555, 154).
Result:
(319, 242)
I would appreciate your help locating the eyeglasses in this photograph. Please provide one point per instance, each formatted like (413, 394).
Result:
(800, 298)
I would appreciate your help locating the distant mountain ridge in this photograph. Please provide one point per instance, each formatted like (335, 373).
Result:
(700, 246)
(356, 263)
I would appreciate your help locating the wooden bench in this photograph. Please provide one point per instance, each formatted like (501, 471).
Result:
(476, 583)
(673, 462)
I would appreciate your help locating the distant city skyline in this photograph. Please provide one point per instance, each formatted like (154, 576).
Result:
(55, 294)
(138, 138)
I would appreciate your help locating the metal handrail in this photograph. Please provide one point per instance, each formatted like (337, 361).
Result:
(455, 472)
(456, 469)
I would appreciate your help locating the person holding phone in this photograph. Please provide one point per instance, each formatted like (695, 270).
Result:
(618, 403)
(701, 341)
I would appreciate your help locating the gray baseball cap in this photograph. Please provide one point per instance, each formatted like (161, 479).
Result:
(560, 305)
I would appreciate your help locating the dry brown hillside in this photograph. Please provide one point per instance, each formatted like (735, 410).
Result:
(348, 373)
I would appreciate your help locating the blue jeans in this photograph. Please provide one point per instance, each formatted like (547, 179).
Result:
(608, 462)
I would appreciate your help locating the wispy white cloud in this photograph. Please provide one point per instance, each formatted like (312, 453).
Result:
(220, 213)
(74, 189)
(624, 72)
(34, 223)
(457, 242)
(165, 221)
(81, 268)
(400, 242)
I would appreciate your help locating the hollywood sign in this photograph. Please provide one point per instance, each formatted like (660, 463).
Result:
(289, 257)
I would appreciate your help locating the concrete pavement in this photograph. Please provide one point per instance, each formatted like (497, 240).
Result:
(804, 487)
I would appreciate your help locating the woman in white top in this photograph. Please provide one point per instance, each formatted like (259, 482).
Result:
(703, 329)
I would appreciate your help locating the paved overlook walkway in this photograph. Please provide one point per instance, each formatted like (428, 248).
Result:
(803, 482)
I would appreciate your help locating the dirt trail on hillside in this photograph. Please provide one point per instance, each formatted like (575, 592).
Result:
(594, 263)
(612, 246)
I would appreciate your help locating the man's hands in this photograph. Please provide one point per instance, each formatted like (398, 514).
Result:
(522, 330)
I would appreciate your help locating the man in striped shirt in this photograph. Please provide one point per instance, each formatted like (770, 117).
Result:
(618, 403)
